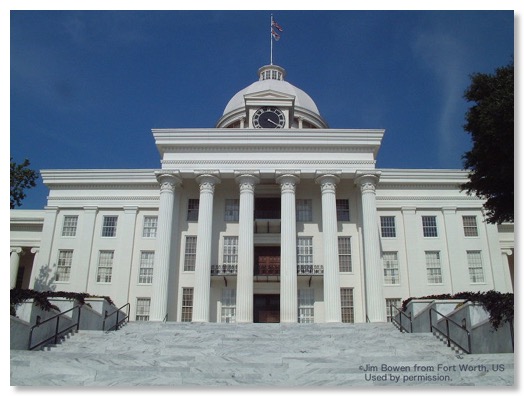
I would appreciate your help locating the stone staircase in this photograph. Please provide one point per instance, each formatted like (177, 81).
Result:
(247, 355)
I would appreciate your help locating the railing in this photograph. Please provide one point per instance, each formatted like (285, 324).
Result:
(224, 269)
(310, 269)
(117, 322)
(267, 269)
(447, 334)
(399, 322)
(58, 332)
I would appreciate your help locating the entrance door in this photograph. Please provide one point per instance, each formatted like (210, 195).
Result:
(267, 260)
(266, 308)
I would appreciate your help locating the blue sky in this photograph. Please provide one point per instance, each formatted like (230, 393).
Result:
(87, 87)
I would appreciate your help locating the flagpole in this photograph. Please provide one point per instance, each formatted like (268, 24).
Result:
(271, 39)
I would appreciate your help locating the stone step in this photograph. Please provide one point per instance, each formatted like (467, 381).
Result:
(250, 355)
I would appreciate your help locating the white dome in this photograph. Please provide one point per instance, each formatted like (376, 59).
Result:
(302, 99)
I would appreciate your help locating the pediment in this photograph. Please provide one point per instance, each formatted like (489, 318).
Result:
(269, 96)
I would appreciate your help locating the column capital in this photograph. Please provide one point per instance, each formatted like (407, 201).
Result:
(35, 250)
(507, 252)
(168, 179)
(328, 182)
(288, 182)
(16, 250)
(367, 180)
(247, 180)
(207, 181)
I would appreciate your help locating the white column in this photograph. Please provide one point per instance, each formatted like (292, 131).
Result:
(332, 308)
(373, 272)
(42, 275)
(203, 249)
(288, 250)
(15, 263)
(506, 271)
(244, 308)
(168, 181)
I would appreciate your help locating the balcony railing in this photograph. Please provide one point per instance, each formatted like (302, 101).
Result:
(310, 269)
(224, 269)
(267, 268)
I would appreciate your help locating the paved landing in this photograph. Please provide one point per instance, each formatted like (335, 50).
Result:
(248, 355)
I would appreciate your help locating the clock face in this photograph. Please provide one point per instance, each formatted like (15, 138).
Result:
(269, 117)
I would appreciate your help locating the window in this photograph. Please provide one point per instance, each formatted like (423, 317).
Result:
(232, 210)
(346, 304)
(109, 226)
(145, 275)
(396, 302)
(391, 272)
(230, 255)
(69, 226)
(187, 304)
(342, 209)
(304, 210)
(433, 269)
(229, 298)
(387, 227)
(306, 306)
(142, 309)
(476, 272)
(429, 226)
(63, 269)
(190, 253)
(105, 266)
(192, 209)
(470, 226)
(150, 225)
(344, 254)
(305, 254)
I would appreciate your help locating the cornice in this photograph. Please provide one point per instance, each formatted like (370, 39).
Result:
(267, 162)
(105, 198)
(426, 198)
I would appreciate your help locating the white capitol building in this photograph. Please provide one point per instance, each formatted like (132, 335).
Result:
(268, 217)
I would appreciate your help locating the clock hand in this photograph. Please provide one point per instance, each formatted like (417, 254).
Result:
(273, 122)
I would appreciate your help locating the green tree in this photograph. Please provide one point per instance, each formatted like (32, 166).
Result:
(22, 178)
(491, 160)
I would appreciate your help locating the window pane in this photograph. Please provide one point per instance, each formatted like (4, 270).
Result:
(396, 302)
(105, 266)
(344, 254)
(150, 226)
(470, 226)
(346, 303)
(109, 226)
(146, 267)
(429, 226)
(187, 304)
(476, 272)
(232, 210)
(69, 227)
(387, 227)
(304, 209)
(433, 269)
(391, 270)
(63, 270)
(306, 306)
(142, 309)
(190, 253)
(192, 209)
(342, 209)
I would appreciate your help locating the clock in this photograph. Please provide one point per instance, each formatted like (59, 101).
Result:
(269, 117)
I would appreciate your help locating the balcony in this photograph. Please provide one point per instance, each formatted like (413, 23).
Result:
(224, 269)
(310, 269)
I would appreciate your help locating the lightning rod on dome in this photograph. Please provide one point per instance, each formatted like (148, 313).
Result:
(274, 36)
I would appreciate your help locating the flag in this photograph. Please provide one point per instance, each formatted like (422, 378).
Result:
(277, 26)
(275, 35)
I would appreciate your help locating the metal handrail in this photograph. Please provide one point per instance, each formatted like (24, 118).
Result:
(447, 336)
(57, 332)
(117, 322)
(399, 323)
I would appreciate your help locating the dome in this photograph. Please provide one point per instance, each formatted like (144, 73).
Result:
(271, 88)
(302, 99)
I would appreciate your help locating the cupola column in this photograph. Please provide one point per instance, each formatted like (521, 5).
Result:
(203, 249)
(244, 303)
(288, 249)
(15, 263)
(328, 183)
(375, 303)
(168, 181)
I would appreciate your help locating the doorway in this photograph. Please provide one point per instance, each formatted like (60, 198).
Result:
(266, 308)
(267, 260)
